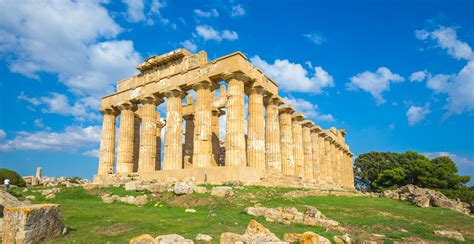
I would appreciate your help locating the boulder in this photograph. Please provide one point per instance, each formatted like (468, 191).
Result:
(222, 191)
(134, 186)
(255, 233)
(157, 187)
(32, 223)
(451, 234)
(173, 238)
(182, 188)
(307, 237)
(231, 238)
(421, 201)
(202, 237)
(143, 239)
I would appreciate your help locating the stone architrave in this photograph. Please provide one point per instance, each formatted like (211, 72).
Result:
(235, 153)
(174, 130)
(286, 135)
(307, 150)
(107, 142)
(298, 152)
(148, 147)
(202, 153)
(126, 139)
(272, 134)
(256, 128)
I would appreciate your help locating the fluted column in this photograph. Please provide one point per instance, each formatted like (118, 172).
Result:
(325, 158)
(256, 128)
(215, 128)
(188, 157)
(235, 153)
(202, 153)
(136, 141)
(159, 127)
(174, 130)
(334, 172)
(272, 134)
(339, 165)
(351, 171)
(107, 142)
(307, 150)
(315, 142)
(298, 152)
(147, 155)
(286, 139)
(126, 138)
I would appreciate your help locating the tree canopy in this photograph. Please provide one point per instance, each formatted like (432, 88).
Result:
(378, 171)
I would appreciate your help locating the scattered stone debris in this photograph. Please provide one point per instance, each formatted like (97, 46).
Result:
(143, 239)
(48, 192)
(202, 237)
(135, 200)
(288, 215)
(426, 197)
(222, 191)
(451, 234)
(32, 223)
(317, 192)
(255, 233)
(182, 188)
(52, 181)
(173, 238)
(306, 237)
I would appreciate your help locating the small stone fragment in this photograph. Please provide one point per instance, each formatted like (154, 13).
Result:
(143, 239)
(202, 237)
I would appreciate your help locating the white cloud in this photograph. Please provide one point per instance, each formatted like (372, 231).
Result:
(94, 153)
(206, 14)
(446, 38)
(459, 87)
(71, 139)
(209, 33)
(135, 10)
(61, 37)
(416, 114)
(418, 76)
(293, 77)
(238, 10)
(315, 38)
(84, 109)
(2, 134)
(190, 45)
(39, 123)
(374, 83)
(459, 160)
(309, 109)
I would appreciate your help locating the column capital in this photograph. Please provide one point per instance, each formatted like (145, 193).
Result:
(298, 116)
(175, 92)
(127, 106)
(308, 123)
(286, 108)
(273, 100)
(235, 75)
(316, 129)
(151, 99)
(254, 89)
(204, 84)
(109, 110)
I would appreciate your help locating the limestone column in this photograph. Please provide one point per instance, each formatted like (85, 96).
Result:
(107, 142)
(147, 154)
(215, 128)
(188, 141)
(174, 130)
(338, 166)
(326, 169)
(272, 134)
(315, 141)
(351, 171)
(307, 150)
(256, 128)
(136, 141)
(298, 152)
(235, 153)
(126, 138)
(202, 153)
(286, 139)
(159, 127)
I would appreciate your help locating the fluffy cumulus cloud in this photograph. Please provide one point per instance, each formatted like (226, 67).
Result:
(93, 153)
(237, 10)
(309, 109)
(294, 77)
(147, 11)
(209, 33)
(416, 114)
(315, 38)
(374, 83)
(457, 87)
(418, 76)
(190, 45)
(71, 139)
(61, 37)
(206, 14)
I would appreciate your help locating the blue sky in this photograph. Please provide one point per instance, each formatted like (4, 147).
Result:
(398, 75)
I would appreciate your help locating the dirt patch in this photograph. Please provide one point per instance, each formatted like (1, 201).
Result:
(185, 201)
(112, 230)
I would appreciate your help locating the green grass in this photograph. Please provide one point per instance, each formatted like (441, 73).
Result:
(91, 221)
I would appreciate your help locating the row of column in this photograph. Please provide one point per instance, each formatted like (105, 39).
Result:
(279, 140)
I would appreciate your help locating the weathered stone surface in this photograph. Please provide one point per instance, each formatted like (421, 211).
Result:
(222, 191)
(143, 239)
(182, 188)
(202, 237)
(32, 224)
(255, 233)
(306, 238)
(421, 201)
(200, 189)
(173, 238)
(137, 200)
(451, 234)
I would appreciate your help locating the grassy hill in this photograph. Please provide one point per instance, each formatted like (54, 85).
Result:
(90, 220)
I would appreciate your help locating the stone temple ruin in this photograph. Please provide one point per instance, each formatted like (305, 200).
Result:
(279, 146)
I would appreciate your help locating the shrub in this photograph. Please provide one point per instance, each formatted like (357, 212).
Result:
(464, 194)
(14, 177)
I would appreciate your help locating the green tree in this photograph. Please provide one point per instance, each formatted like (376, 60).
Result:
(368, 166)
(389, 179)
(14, 177)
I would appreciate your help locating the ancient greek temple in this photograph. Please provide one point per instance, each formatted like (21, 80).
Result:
(270, 144)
